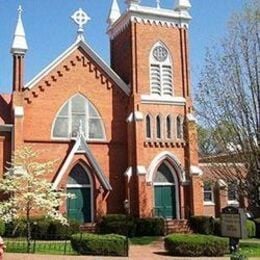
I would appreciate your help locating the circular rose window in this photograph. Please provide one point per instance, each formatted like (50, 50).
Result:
(160, 53)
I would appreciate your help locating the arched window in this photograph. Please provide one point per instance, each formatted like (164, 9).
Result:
(168, 127)
(161, 71)
(78, 176)
(148, 127)
(179, 127)
(164, 175)
(158, 127)
(75, 112)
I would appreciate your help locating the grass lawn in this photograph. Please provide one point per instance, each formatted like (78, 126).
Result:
(250, 247)
(143, 240)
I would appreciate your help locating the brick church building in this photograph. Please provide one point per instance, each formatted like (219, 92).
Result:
(124, 135)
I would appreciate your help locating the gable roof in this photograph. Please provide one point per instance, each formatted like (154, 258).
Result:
(81, 146)
(97, 59)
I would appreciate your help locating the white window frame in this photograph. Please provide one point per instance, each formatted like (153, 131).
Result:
(151, 126)
(233, 202)
(87, 103)
(211, 191)
(161, 66)
(180, 117)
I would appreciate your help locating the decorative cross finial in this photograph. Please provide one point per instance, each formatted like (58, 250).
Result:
(20, 10)
(80, 18)
(158, 4)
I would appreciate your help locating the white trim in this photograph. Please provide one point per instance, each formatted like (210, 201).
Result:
(6, 128)
(135, 116)
(192, 118)
(150, 15)
(175, 185)
(81, 142)
(208, 203)
(91, 186)
(222, 183)
(128, 173)
(18, 111)
(97, 59)
(163, 100)
(141, 170)
(151, 126)
(195, 170)
(159, 159)
(233, 202)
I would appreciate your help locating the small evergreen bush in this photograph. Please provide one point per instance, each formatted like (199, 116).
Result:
(117, 224)
(149, 227)
(257, 223)
(251, 228)
(195, 245)
(202, 224)
(217, 227)
(105, 245)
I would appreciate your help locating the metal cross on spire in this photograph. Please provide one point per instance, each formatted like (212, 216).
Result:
(20, 10)
(80, 18)
(158, 4)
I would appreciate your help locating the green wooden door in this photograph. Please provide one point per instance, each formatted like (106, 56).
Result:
(79, 208)
(165, 201)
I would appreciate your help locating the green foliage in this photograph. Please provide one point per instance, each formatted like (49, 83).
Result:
(217, 227)
(202, 224)
(257, 224)
(117, 224)
(238, 256)
(195, 245)
(149, 227)
(91, 244)
(2, 228)
(42, 228)
(251, 228)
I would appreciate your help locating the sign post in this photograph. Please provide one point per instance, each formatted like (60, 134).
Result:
(233, 225)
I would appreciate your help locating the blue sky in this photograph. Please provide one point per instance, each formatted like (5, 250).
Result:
(50, 30)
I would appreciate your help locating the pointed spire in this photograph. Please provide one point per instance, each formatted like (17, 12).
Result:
(132, 3)
(19, 45)
(182, 5)
(114, 13)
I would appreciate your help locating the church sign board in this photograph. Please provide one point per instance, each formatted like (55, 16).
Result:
(233, 223)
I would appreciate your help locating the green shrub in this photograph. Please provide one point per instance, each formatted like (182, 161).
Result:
(149, 227)
(257, 224)
(2, 228)
(117, 224)
(202, 224)
(42, 228)
(195, 245)
(251, 228)
(217, 227)
(106, 245)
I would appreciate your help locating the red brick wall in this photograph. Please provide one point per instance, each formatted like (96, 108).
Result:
(5, 150)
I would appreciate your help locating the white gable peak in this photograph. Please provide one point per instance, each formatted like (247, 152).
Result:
(19, 45)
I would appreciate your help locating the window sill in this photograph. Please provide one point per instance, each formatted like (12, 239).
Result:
(164, 100)
(209, 203)
(233, 202)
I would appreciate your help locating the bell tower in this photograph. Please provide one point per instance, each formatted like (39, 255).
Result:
(149, 51)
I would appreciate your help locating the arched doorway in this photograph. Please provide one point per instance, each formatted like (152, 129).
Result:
(79, 183)
(166, 193)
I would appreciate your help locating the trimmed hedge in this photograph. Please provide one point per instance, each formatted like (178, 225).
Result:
(117, 224)
(2, 228)
(251, 228)
(195, 245)
(202, 224)
(105, 245)
(149, 227)
(128, 226)
(42, 228)
(257, 224)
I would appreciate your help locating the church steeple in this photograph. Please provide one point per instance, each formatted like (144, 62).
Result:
(114, 13)
(19, 45)
(18, 49)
